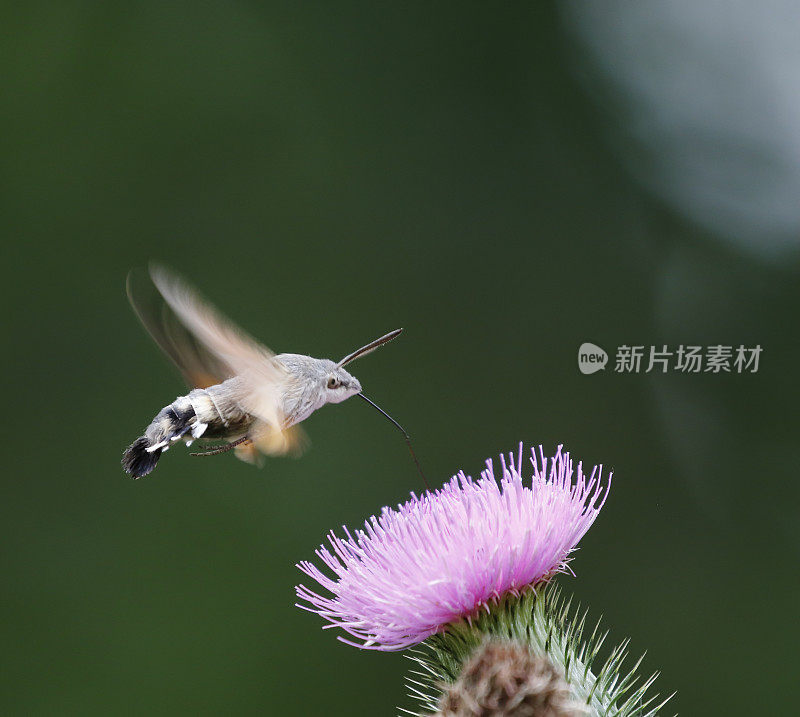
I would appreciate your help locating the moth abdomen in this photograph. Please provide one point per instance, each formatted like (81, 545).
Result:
(170, 424)
(219, 409)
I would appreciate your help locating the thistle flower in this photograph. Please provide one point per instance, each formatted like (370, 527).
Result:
(444, 557)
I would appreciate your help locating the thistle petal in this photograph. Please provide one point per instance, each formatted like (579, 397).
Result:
(443, 557)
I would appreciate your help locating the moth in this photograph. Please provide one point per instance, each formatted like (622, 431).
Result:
(242, 393)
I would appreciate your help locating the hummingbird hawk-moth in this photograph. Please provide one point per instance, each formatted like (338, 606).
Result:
(242, 393)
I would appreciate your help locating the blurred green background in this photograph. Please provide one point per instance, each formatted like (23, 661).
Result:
(505, 184)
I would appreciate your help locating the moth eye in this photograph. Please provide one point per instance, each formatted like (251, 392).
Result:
(333, 382)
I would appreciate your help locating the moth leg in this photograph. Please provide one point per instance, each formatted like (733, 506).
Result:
(224, 448)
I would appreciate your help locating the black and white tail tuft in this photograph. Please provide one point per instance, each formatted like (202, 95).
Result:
(137, 461)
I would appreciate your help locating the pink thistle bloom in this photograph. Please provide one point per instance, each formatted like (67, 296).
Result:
(442, 557)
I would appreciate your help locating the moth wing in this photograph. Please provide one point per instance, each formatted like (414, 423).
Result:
(248, 453)
(273, 441)
(231, 348)
(199, 367)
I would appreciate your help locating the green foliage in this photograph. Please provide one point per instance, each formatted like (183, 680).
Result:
(544, 621)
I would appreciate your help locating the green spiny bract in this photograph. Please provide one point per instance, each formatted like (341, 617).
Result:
(543, 621)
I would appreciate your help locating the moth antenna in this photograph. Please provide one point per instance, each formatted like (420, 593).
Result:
(400, 428)
(369, 348)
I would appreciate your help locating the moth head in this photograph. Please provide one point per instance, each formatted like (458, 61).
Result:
(339, 385)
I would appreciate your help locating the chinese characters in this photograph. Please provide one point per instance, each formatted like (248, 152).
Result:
(687, 359)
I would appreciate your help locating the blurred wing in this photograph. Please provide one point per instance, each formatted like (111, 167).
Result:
(248, 453)
(207, 348)
(199, 367)
(229, 346)
(291, 441)
(274, 442)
